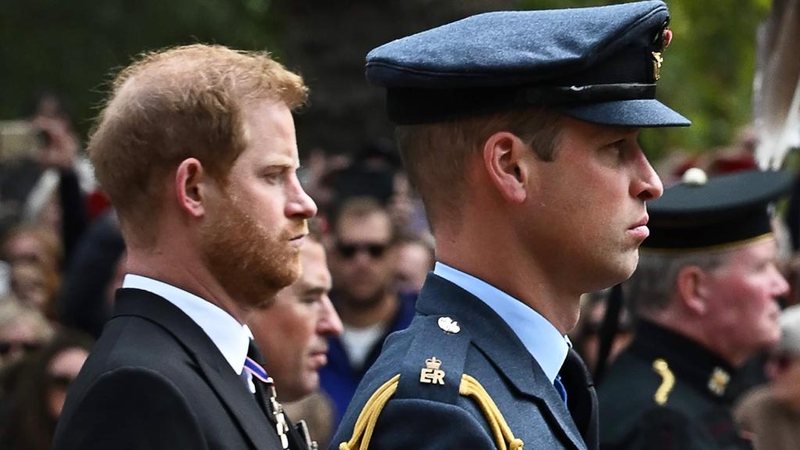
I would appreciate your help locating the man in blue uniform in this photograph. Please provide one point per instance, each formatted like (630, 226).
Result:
(519, 129)
(705, 296)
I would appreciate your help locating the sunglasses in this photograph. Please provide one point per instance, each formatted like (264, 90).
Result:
(7, 346)
(349, 251)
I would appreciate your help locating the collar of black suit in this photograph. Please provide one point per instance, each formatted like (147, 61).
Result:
(213, 366)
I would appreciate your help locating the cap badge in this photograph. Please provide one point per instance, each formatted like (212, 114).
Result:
(657, 60)
(431, 373)
(718, 381)
(694, 177)
(448, 325)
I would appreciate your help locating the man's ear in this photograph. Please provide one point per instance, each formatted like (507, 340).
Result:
(190, 187)
(503, 155)
(692, 288)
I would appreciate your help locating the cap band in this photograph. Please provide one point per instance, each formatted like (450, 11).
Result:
(407, 106)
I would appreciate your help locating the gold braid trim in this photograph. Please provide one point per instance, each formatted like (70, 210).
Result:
(365, 424)
(503, 436)
(667, 381)
(470, 387)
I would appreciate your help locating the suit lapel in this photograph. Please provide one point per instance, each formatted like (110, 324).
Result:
(501, 346)
(212, 364)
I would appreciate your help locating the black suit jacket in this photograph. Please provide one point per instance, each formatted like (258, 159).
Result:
(155, 380)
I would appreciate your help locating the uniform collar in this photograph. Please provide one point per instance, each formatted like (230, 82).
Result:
(689, 361)
(542, 340)
(228, 335)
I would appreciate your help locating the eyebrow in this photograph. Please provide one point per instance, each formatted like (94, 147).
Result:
(314, 290)
(278, 165)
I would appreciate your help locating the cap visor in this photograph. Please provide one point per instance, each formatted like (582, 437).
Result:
(629, 113)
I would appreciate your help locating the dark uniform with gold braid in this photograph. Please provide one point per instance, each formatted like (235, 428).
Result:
(666, 391)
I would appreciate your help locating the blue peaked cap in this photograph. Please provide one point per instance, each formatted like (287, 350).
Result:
(596, 64)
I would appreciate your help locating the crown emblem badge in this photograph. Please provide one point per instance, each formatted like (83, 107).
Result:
(431, 373)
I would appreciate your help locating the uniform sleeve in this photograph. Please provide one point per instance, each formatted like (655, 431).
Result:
(425, 424)
(130, 409)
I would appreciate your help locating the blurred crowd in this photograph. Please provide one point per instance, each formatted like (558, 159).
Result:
(62, 257)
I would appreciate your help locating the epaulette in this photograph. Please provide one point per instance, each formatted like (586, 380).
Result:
(433, 369)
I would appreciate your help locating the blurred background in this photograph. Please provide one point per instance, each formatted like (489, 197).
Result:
(72, 48)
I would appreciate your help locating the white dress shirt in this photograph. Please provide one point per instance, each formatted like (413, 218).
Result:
(230, 337)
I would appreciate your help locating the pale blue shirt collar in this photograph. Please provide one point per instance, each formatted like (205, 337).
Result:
(230, 337)
(542, 340)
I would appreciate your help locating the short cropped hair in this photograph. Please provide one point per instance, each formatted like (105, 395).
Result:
(435, 155)
(358, 208)
(652, 285)
(178, 103)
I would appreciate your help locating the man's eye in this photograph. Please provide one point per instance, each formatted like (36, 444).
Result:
(309, 300)
(273, 177)
(618, 146)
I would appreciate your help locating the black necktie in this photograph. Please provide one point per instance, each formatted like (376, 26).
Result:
(582, 399)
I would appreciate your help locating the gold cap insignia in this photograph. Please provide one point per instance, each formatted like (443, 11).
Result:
(661, 42)
(657, 60)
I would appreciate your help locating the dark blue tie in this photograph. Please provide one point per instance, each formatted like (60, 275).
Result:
(562, 391)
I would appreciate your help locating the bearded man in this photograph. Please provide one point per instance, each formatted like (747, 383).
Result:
(196, 149)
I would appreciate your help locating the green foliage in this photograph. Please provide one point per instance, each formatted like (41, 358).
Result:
(74, 47)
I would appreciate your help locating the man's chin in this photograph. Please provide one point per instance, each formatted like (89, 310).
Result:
(628, 265)
(282, 277)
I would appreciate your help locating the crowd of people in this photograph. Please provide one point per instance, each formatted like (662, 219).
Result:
(215, 288)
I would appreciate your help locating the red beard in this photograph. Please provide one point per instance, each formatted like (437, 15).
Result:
(249, 263)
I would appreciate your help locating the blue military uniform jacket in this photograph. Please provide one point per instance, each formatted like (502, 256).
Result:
(666, 392)
(459, 378)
